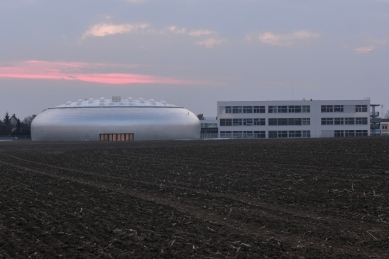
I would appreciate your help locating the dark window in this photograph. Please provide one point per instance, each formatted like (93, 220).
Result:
(261, 122)
(272, 109)
(228, 109)
(362, 121)
(236, 122)
(339, 133)
(272, 134)
(259, 109)
(360, 108)
(282, 134)
(237, 134)
(282, 109)
(306, 108)
(306, 134)
(306, 121)
(259, 134)
(338, 121)
(272, 122)
(236, 109)
(327, 121)
(327, 108)
(338, 108)
(349, 121)
(247, 109)
(247, 122)
(248, 134)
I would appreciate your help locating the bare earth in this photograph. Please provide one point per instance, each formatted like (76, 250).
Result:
(315, 198)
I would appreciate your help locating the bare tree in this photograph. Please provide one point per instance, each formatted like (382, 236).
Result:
(386, 116)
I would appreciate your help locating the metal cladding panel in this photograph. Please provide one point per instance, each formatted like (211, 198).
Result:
(86, 124)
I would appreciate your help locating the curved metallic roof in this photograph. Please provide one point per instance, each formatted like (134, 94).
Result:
(115, 101)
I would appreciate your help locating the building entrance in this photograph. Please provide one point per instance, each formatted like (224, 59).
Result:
(117, 137)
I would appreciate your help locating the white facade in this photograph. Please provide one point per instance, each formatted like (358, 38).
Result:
(293, 119)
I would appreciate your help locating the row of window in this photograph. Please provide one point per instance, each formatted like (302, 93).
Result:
(262, 122)
(344, 121)
(350, 133)
(290, 134)
(289, 121)
(245, 109)
(242, 122)
(289, 109)
(340, 108)
(292, 121)
(242, 134)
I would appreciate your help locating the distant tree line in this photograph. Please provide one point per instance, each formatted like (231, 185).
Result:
(11, 125)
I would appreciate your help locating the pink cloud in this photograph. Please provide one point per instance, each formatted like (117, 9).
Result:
(287, 39)
(363, 50)
(73, 71)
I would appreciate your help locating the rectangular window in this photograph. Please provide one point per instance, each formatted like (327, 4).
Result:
(327, 108)
(259, 109)
(225, 122)
(294, 134)
(339, 133)
(306, 108)
(272, 134)
(360, 108)
(349, 133)
(248, 134)
(338, 108)
(272, 122)
(349, 121)
(327, 121)
(361, 121)
(236, 122)
(247, 122)
(294, 109)
(272, 109)
(282, 121)
(228, 109)
(294, 121)
(282, 134)
(360, 133)
(225, 134)
(338, 121)
(259, 134)
(306, 121)
(306, 134)
(282, 109)
(237, 134)
(384, 127)
(247, 109)
(259, 122)
(236, 109)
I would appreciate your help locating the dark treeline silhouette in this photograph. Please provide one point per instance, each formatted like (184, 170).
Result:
(12, 126)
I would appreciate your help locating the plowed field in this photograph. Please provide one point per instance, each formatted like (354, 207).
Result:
(315, 198)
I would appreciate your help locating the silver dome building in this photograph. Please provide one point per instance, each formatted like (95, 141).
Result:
(115, 119)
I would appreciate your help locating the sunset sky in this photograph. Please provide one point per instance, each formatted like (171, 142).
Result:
(191, 53)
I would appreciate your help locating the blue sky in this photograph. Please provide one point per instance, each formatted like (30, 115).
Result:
(192, 53)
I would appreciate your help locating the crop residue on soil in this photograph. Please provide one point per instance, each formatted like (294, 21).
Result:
(318, 198)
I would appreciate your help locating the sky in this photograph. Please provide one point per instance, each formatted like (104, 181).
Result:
(192, 53)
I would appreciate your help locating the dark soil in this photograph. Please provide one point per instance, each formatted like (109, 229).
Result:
(316, 198)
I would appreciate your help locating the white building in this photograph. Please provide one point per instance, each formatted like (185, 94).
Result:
(293, 119)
